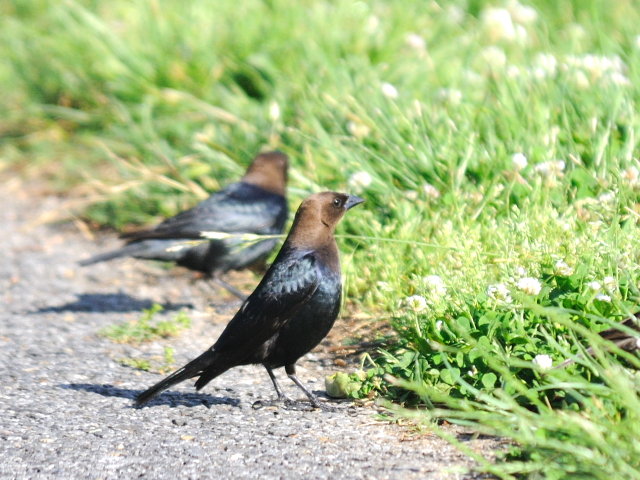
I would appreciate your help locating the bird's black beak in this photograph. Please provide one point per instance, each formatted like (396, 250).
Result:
(352, 201)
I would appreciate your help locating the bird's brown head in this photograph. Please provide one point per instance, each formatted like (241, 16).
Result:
(317, 217)
(269, 172)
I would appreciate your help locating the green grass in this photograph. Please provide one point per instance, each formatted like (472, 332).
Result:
(140, 108)
(147, 366)
(147, 328)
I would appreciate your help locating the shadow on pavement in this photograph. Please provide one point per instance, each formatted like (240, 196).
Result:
(110, 302)
(172, 399)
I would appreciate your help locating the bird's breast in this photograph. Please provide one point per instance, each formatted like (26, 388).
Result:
(308, 327)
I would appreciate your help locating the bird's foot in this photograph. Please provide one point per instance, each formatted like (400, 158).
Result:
(324, 407)
(287, 403)
(281, 401)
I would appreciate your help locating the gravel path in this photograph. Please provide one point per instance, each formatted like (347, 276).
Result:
(66, 402)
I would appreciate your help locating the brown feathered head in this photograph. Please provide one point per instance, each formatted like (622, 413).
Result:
(317, 217)
(269, 172)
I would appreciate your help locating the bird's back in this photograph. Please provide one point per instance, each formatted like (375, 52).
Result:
(239, 208)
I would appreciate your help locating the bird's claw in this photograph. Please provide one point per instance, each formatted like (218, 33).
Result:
(324, 407)
(287, 403)
(281, 401)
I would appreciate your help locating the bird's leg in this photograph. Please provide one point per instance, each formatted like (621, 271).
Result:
(291, 372)
(282, 398)
(230, 288)
(281, 395)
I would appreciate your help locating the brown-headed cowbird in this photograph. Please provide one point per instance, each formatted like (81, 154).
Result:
(290, 311)
(621, 339)
(256, 204)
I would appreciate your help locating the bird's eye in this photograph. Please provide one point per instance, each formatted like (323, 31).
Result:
(337, 202)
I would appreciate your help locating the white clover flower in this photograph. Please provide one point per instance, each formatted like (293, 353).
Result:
(415, 41)
(552, 168)
(389, 90)
(580, 80)
(449, 95)
(617, 79)
(591, 68)
(575, 31)
(416, 303)
(537, 73)
(610, 284)
(563, 269)
(358, 130)
(545, 362)
(513, 71)
(359, 181)
(597, 65)
(529, 285)
(521, 34)
(499, 292)
(607, 197)
(493, 57)
(546, 63)
(411, 195)
(435, 285)
(497, 24)
(595, 285)
(372, 25)
(471, 78)
(522, 14)
(274, 111)
(603, 298)
(519, 161)
(521, 272)
(430, 191)
(565, 226)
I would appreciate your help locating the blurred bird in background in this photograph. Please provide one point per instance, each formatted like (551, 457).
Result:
(256, 204)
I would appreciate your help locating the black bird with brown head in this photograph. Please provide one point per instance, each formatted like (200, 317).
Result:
(256, 204)
(290, 311)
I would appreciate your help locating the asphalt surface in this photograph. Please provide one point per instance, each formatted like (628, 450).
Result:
(66, 399)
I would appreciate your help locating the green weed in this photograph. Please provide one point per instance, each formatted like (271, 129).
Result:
(146, 365)
(146, 328)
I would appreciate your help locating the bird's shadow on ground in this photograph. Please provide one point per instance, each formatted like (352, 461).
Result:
(172, 399)
(110, 303)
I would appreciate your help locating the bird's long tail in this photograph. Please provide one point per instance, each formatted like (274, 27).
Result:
(152, 249)
(192, 369)
(103, 257)
(163, 250)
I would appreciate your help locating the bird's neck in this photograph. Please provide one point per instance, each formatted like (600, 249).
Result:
(268, 180)
(320, 241)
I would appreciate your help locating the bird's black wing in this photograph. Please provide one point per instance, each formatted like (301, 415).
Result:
(239, 208)
(286, 288)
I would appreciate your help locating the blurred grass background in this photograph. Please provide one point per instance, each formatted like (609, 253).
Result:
(495, 142)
